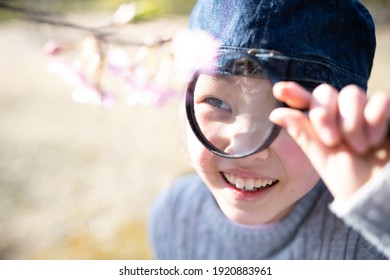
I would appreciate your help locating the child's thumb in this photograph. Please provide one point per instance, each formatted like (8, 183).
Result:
(299, 127)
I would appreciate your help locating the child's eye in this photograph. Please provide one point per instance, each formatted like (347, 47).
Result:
(218, 103)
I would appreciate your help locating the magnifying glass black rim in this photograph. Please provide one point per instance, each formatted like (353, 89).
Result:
(198, 132)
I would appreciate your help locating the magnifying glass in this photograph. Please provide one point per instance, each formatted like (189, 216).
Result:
(228, 107)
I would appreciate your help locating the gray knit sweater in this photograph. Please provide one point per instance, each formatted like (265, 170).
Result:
(186, 223)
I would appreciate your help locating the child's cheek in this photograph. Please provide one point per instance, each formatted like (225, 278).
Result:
(297, 166)
(199, 156)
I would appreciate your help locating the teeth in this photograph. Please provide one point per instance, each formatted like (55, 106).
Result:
(248, 184)
(240, 183)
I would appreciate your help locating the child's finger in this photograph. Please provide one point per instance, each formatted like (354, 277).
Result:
(300, 129)
(291, 93)
(377, 115)
(324, 114)
(351, 103)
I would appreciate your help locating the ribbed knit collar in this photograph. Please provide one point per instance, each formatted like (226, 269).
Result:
(269, 238)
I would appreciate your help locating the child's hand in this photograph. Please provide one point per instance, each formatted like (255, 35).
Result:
(344, 134)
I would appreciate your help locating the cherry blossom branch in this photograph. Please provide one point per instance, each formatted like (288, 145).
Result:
(154, 74)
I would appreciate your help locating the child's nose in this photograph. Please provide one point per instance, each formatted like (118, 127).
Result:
(239, 143)
(243, 136)
(242, 144)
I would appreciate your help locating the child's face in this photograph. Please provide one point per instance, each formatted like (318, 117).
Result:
(279, 176)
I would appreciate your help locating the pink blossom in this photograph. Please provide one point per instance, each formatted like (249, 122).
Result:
(65, 71)
(155, 74)
(193, 50)
(89, 94)
(53, 47)
(83, 90)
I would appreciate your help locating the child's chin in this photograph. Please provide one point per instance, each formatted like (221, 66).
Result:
(244, 218)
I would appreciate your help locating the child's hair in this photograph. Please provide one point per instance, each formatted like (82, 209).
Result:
(339, 34)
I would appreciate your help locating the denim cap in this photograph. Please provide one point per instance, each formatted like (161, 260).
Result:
(331, 41)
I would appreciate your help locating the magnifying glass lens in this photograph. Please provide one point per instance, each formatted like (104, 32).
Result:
(232, 112)
(231, 108)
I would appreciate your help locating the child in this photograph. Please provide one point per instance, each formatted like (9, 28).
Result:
(321, 189)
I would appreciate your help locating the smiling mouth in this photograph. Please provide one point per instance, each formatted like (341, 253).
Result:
(248, 184)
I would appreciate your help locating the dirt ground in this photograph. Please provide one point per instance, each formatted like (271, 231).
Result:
(77, 181)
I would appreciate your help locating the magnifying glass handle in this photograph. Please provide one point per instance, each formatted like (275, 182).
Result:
(388, 131)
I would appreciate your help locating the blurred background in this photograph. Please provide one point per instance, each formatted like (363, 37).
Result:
(76, 180)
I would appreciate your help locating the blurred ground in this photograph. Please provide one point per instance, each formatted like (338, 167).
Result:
(77, 181)
(380, 73)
